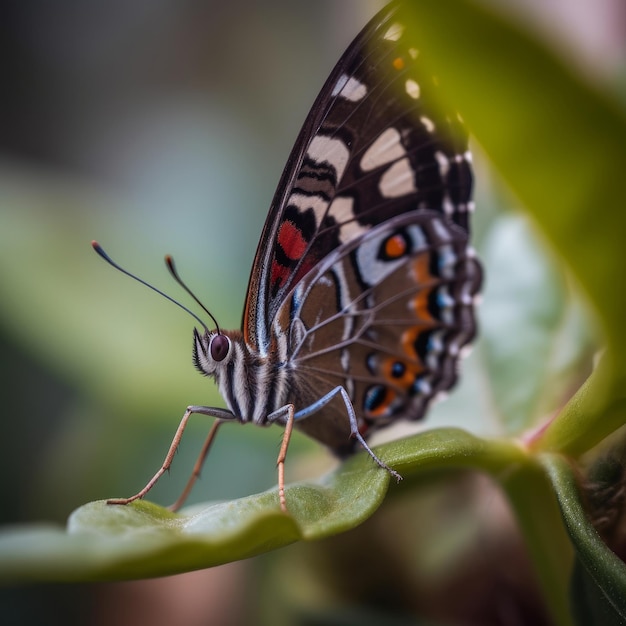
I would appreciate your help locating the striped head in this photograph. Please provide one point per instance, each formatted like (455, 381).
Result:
(241, 374)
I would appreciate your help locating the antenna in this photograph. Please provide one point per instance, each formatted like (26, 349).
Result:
(98, 248)
(169, 261)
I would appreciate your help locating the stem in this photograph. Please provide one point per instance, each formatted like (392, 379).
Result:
(536, 509)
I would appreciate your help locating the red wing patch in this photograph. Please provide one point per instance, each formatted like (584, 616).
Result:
(292, 242)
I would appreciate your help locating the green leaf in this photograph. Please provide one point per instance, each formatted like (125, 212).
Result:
(105, 542)
(602, 566)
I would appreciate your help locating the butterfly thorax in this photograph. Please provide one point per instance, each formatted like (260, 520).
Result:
(251, 384)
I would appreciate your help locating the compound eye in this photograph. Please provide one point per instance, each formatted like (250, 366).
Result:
(220, 345)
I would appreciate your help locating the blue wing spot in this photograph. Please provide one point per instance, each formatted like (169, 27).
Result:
(398, 369)
(374, 397)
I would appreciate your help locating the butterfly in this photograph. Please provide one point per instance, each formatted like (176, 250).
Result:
(361, 295)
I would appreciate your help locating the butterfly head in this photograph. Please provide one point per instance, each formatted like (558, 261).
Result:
(211, 350)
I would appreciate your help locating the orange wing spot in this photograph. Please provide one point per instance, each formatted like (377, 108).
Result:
(291, 240)
(408, 341)
(420, 307)
(395, 247)
(421, 269)
(401, 373)
(398, 63)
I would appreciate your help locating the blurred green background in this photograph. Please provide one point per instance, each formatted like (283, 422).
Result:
(157, 128)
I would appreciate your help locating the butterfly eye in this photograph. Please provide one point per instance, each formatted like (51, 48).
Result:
(220, 345)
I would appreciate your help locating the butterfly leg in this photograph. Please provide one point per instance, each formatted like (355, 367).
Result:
(197, 468)
(354, 426)
(222, 415)
(284, 415)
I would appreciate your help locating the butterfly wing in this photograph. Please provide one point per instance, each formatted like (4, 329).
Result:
(363, 277)
(373, 146)
(385, 316)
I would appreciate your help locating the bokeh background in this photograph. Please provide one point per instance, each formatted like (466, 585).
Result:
(159, 127)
